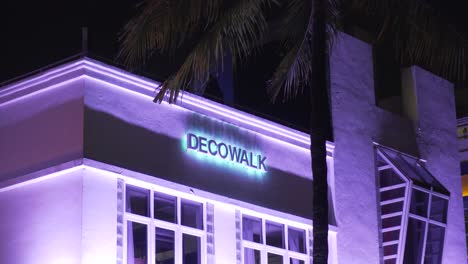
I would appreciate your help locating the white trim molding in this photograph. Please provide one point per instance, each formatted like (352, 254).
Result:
(95, 70)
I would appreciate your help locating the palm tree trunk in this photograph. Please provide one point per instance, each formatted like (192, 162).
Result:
(319, 132)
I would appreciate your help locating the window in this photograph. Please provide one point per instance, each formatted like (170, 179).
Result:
(464, 167)
(465, 207)
(427, 220)
(163, 229)
(414, 203)
(270, 242)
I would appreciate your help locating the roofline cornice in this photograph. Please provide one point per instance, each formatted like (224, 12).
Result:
(89, 68)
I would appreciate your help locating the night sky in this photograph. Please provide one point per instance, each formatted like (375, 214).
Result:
(38, 33)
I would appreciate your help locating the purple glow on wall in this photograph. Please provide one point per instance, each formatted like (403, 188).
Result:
(215, 150)
(50, 87)
(149, 89)
(206, 105)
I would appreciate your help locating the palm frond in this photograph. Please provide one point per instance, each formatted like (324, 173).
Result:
(292, 74)
(237, 31)
(431, 42)
(294, 19)
(289, 73)
(295, 69)
(419, 33)
(159, 27)
(334, 20)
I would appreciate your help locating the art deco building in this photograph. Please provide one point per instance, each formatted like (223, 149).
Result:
(92, 171)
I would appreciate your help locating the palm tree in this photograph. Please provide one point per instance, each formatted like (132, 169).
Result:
(216, 29)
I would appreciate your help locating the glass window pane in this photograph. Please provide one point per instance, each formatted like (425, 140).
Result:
(296, 240)
(388, 177)
(380, 161)
(413, 169)
(390, 261)
(274, 259)
(466, 224)
(391, 221)
(428, 179)
(165, 207)
(252, 229)
(414, 241)
(439, 209)
(419, 203)
(274, 234)
(390, 250)
(191, 249)
(296, 261)
(251, 256)
(164, 246)
(192, 214)
(137, 245)
(434, 245)
(392, 208)
(392, 194)
(391, 235)
(137, 200)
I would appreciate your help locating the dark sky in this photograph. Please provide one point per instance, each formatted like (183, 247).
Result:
(37, 33)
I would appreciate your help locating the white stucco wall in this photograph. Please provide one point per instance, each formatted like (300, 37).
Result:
(69, 108)
(99, 217)
(63, 124)
(41, 129)
(352, 102)
(65, 217)
(127, 129)
(41, 222)
(225, 234)
(175, 121)
(426, 131)
(53, 130)
(437, 142)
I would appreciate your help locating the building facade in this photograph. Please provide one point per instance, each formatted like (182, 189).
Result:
(462, 131)
(92, 171)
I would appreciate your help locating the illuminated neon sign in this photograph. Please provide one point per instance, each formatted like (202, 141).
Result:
(225, 151)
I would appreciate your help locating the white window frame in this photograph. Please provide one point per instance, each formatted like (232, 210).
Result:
(265, 249)
(409, 186)
(153, 223)
(427, 220)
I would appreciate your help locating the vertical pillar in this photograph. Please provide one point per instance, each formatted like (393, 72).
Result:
(437, 143)
(353, 112)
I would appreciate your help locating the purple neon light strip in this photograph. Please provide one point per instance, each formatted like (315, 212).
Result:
(208, 106)
(44, 77)
(184, 109)
(248, 120)
(279, 141)
(152, 87)
(51, 87)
